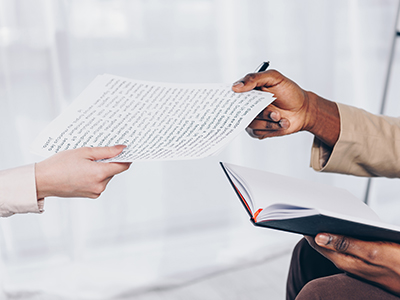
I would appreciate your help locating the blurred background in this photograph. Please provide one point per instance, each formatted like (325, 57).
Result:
(165, 224)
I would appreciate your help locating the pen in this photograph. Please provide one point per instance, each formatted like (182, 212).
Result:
(262, 67)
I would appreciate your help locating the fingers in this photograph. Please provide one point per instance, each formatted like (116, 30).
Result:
(333, 242)
(268, 123)
(347, 246)
(107, 170)
(375, 261)
(368, 251)
(113, 168)
(99, 188)
(263, 128)
(287, 114)
(93, 184)
(344, 244)
(335, 252)
(251, 81)
(97, 153)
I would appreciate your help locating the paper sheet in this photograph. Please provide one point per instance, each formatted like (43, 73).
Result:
(156, 121)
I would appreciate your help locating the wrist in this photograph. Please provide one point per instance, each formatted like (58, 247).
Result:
(323, 119)
(41, 192)
(311, 115)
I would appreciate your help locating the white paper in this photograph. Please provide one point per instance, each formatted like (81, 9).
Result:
(157, 121)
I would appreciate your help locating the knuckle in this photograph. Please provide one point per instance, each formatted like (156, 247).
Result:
(274, 72)
(373, 255)
(250, 77)
(270, 125)
(86, 149)
(341, 244)
(258, 133)
(98, 189)
(94, 196)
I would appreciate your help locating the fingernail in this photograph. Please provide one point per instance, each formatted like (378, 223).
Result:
(238, 84)
(323, 239)
(274, 116)
(250, 132)
(284, 123)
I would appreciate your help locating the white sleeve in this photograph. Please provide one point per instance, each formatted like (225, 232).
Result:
(18, 191)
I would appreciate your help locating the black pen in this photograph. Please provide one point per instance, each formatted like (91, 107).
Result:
(262, 67)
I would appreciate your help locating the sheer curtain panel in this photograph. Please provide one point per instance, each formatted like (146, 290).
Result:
(164, 223)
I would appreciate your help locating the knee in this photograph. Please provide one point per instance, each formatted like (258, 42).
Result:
(333, 287)
(301, 247)
(341, 286)
(316, 289)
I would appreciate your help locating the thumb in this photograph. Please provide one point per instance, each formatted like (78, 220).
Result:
(266, 79)
(97, 153)
(334, 242)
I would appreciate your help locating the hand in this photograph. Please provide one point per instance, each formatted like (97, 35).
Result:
(287, 114)
(293, 110)
(377, 262)
(75, 173)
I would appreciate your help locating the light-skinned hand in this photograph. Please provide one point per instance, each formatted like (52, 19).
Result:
(76, 173)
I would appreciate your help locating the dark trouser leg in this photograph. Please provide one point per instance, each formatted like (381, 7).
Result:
(341, 286)
(313, 277)
(306, 265)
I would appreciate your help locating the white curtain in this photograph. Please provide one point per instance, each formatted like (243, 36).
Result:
(162, 223)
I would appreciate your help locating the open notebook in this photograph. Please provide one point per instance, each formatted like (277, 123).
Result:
(305, 207)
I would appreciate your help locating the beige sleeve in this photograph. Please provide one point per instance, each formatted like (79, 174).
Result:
(368, 145)
(18, 191)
